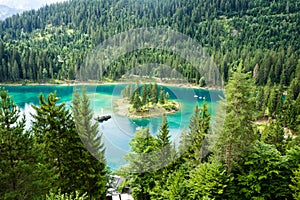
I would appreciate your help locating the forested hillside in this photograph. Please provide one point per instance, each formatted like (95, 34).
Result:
(248, 149)
(52, 42)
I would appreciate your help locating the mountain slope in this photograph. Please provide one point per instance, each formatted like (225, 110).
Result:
(256, 32)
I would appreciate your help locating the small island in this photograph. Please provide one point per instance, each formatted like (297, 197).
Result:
(145, 102)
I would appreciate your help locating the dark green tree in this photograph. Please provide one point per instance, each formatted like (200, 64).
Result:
(142, 164)
(54, 128)
(193, 142)
(207, 181)
(237, 134)
(154, 93)
(22, 176)
(137, 104)
(274, 134)
(295, 186)
(164, 144)
(264, 177)
(162, 98)
(145, 95)
(94, 172)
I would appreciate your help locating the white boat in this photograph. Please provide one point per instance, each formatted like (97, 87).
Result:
(195, 96)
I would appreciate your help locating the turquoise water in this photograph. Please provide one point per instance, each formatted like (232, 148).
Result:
(118, 131)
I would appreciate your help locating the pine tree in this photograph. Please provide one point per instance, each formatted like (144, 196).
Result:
(274, 134)
(165, 155)
(142, 163)
(94, 174)
(22, 176)
(193, 141)
(145, 96)
(137, 104)
(54, 128)
(163, 142)
(295, 186)
(237, 135)
(154, 93)
(162, 96)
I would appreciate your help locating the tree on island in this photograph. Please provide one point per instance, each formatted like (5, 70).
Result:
(154, 93)
(146, 97)
(162, 96)
(137, 104)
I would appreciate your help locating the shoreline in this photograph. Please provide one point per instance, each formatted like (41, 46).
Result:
(121, 106)
(180, 85)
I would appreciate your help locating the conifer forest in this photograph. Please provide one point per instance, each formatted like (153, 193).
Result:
(248, 149)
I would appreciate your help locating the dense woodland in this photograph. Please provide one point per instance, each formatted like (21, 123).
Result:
(52, 42)
(251, 151)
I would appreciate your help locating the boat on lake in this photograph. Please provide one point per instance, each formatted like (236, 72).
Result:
(103, 118)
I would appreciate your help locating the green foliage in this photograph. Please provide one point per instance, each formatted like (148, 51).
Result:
(237, 134)
(199, 127)
(137, 104)
(145, 95)
(164, 143)
(274, 134)
(202, 82)
(162, 98)
(93, 176)
(148, 98)
(142, 164)
(154, 93)
(263, 174)
(54, 128)
(22, 176)
(57, 39)
(59, 196)
(175, 187)
(207, 180)
(275, 100)
(295, 186)
(291, 113)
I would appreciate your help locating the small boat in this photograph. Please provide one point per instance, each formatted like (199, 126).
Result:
(200, 97)
(196, 96)
(103, 118)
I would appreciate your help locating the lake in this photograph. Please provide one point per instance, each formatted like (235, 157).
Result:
(118, 131)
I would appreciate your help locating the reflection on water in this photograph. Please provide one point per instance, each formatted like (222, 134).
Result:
(118, 131)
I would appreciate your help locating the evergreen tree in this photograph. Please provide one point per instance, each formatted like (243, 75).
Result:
(22, 176)
(162, 96)
(237, 135)
(295, 186)
(167, 96)
(193, 142)
(274, 134)
(137, 104)
(145, 95)
(142, 163)
(207, 181)
(163, 143)
(135, 92)
(154, 93)
(275, 101)
(164, 156)
(94, 172)
(54, 128)
(265, 177)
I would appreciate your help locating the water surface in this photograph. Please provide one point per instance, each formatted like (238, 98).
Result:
(118, 131)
